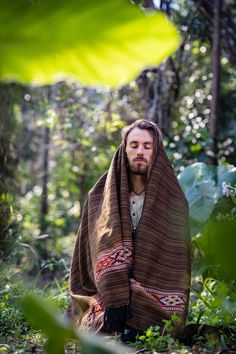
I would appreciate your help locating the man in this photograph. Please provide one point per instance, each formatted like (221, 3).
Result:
(131, 263)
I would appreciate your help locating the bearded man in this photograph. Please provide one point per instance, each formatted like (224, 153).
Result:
(131, 262)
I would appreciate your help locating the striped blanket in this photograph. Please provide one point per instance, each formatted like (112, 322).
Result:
(110, 270)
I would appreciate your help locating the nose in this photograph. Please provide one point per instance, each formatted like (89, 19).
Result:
(140, 150)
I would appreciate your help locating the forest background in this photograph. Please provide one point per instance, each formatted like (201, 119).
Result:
(58, 139)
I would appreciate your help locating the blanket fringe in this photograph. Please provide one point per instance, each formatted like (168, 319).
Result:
(115, 318)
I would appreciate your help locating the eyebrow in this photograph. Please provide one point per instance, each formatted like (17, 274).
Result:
(136, 142)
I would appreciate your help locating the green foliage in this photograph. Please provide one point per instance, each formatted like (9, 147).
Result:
(190, 94)
(214, 246)
(84, 41)
(218, 244)
(12, 320)
(15, 330)
(14, 286)
(202, 185)
(84, 137)
(42, 316)
(59, 329)
(157, 338)
(214, 304)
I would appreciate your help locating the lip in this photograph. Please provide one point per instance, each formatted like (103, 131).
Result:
(140, 160)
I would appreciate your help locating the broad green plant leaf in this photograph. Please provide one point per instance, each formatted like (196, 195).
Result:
(202, 198)
(202, 185)
(193, 174)
(220, 244)
(96, 344)
(44, 316)
(60, 329)
(95, 42)
(226, 174)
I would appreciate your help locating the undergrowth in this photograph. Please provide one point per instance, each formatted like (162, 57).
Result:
(157, 337)
(16, 333)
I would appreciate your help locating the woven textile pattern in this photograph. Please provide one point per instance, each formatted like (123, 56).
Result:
(109, 270)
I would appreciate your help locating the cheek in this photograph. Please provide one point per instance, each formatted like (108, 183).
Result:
(149, 155)
(129, 153)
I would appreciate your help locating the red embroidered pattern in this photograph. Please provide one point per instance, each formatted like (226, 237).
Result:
(120, 257)
(95, 316)
(171, 300)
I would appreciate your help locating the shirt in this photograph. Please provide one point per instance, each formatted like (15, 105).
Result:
(136, 207)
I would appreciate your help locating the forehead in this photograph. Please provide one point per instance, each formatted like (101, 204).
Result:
(140, 135)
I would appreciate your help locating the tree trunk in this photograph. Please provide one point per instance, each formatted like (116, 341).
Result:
(214, 116)
(44, 198)
(8, 165)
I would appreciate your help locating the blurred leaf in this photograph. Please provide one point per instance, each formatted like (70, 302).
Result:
(59, 221)
(94, 344)
(96, 42)
(59, 329)
(220, 246)
(44, 316)
(195, 148)
(196, 50)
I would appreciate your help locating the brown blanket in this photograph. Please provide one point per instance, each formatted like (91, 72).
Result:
(109, 270)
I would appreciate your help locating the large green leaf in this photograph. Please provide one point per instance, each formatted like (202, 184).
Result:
(60, 329)
(202, 198)
(218, 244)
(202, 185)
(193, 174)
(96, 344)
(226, 174)
(43, 316)
(97, 42)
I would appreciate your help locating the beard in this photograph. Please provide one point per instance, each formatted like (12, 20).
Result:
(138, 169)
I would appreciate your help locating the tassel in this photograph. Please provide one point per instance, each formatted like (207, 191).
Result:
(115, 318)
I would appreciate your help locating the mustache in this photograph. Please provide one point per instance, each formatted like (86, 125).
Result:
(140, 159)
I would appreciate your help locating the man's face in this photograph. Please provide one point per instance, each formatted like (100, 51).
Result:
(139, 150)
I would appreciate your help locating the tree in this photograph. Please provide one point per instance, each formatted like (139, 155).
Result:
(8, 162)
(216, 57)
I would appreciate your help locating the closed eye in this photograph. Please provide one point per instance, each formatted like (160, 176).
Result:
(148, 146)
(134, 146)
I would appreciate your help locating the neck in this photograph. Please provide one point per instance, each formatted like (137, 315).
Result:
(138, 182)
